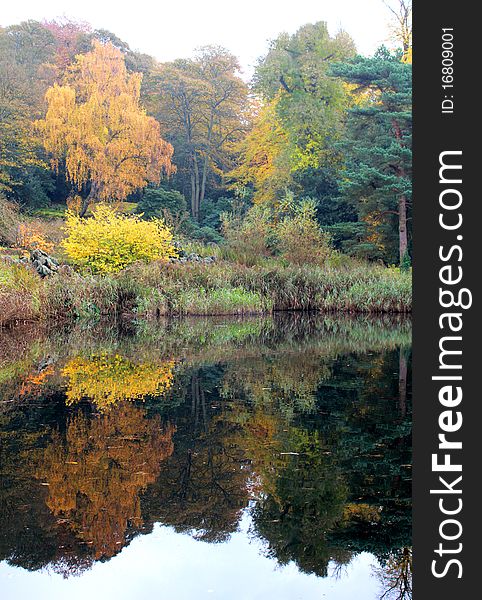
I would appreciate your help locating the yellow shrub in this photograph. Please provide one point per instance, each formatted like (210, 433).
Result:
(108, 242)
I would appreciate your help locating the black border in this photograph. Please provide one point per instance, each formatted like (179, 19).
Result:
(435, 132)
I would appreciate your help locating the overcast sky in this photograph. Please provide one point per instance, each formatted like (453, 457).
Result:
(173, 29)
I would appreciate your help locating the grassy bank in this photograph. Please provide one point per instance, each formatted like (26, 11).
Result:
(222, 288)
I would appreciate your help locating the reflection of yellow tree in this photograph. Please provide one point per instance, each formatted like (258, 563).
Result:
(96, 475)
(259, 437)
(106, 379)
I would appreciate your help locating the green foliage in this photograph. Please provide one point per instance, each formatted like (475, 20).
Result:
(289, 231)
(25, 49)
(406, 262)
(155, 201)
(310, 103)
(352, 239)
(205, 105)
(377, 148)
(211, 211)
(201, 233)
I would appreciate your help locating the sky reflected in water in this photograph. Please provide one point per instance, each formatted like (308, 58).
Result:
(222, 458)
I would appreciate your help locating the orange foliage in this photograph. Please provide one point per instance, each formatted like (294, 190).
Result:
(32, 236)
(95, 477)
(32, 384)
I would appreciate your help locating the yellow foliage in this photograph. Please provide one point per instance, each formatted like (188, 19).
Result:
(106, 380)
(96, 122)
(361, 512)
(407, 57)
(74, 204)
(264, 156)
(373, 221)
(108, 242)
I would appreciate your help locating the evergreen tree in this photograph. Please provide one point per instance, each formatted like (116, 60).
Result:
(378, 171)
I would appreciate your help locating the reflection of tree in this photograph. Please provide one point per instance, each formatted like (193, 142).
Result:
(322, 444)
(31, 536)
(202, 488)
(308, 499)
(106, 379)
(361, 421)
(95, 474)
(278, 380)
(396, 575)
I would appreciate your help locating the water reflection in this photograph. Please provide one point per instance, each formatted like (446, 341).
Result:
(300, 424)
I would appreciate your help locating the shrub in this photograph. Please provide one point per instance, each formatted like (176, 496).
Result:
(248, 237)
(155, 201)
(300, 239)
(32, 236)
(108, 242)
(211, 210)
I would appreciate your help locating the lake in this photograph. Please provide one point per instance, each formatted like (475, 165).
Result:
(185, 459)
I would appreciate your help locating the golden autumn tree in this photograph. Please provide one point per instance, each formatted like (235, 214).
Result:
(265, 155)
(95, 123)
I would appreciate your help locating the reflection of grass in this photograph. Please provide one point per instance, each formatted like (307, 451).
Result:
(145, 350)
(221, 301)
(19, 350)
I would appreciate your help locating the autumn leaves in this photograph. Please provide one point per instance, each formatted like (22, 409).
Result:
(95, 123)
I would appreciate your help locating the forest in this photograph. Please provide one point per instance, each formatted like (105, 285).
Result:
(128, 185)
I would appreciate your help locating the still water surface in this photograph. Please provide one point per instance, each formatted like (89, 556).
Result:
(217, 458)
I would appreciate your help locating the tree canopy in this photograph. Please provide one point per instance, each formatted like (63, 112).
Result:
(95, 123)
(83, 116)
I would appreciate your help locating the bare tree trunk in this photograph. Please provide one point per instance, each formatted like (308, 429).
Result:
(206, 159)
(193, 191)
(203, 181)
(402, 205)
(90, 198)
(195, 200)
(402, 226)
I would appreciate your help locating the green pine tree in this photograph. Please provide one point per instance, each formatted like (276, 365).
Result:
(378, 173)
